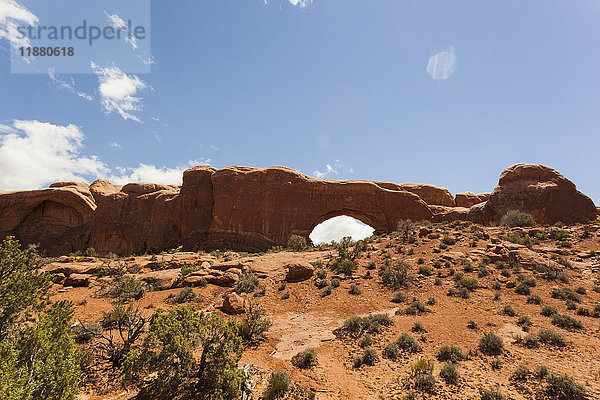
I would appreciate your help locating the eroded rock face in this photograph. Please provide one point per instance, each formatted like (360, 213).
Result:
(468, 199)
(538, 190)
(250, 209)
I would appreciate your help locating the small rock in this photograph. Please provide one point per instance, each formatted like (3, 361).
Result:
(233, 304)
(299, 272)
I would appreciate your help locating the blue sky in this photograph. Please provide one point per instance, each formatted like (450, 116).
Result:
(338, 83)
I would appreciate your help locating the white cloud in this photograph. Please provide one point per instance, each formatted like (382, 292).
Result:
(68, 86)
(339, 227)
(300, 3)
(13, 15)
(118, 91)
(33, 154)
(118, 23)
(115, 145)
(442, 64)
(333, 169)
(154, 174)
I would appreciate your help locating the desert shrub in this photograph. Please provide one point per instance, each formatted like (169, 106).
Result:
(41, 360)
(524, 322)
(255, 324)
(521, 373)
(185, 295)
(85, 331)
(534, 299)
(581, 290)
(354, 289)
(305, 359)
(368, 357)
(523, 289)
(448, 240)
(565, 294)
(335, 282)
(406, 228)
(421, 260)
(450, 353)
(491, 394)
(531, 341)
(366, 340)
(425, 270)
(571, 305)
(356, 325)
(509, 311)
(125, 288)
(469, 284)
(279, 384)
(297, 243)
(326, 291)
(548, 311)
(407, 343)
(399, 297)
(551, 337)
(517, 218)
(23, 289)
(491, 345)
(584, 312)
(564, 387)
(566, 322)
(422, 376)
(395, 276)
(321, 283)
(126, 321)
(496, 363)
(391, 351)
(416, 307)
(285, 295)
(206, 347)
(449, 373)
(472, 324)
(541, 372)
(246, 283)
(321, 273)
(345, 266)
(483, 272)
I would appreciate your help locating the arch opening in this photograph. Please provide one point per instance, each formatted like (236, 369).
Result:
(336, 228)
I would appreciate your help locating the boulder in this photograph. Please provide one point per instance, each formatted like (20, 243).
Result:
(233, 304)
(538, 190)
(194, 281)
(68, 269)
(226, 280)
(299, 272)
(160, 280)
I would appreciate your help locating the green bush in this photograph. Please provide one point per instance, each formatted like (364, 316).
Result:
(22, 289)
(279, 384)
(491, 345)
(356, 325)
(523, 289)
(407, 343)
(206, 347)
(566, 322)
(549, 311)
(450, 353)
(551, 337)
(392, 351)
(517, 218)
(491, 394)
(564, 387)
(246, 283)
(422, 376)
(414, 308)
(305, 359)
(449, 373)
(354, 289)
(399, 297)
(253, 326)
(125, 288)
(509, 311)
(369, 357)
(41, 361)
(534, 299)
(521, 373)
(565, 294)
(297, 243)
(185, 295)
(395, 276)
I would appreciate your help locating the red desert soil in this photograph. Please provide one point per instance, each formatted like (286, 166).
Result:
(306, 319)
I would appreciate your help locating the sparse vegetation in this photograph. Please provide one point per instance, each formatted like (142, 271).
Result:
(491, 345)
(305, 359)
(517, 219)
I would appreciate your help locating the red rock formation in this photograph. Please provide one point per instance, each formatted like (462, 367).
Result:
(538, 190)
(468, 199)
(254, 209)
